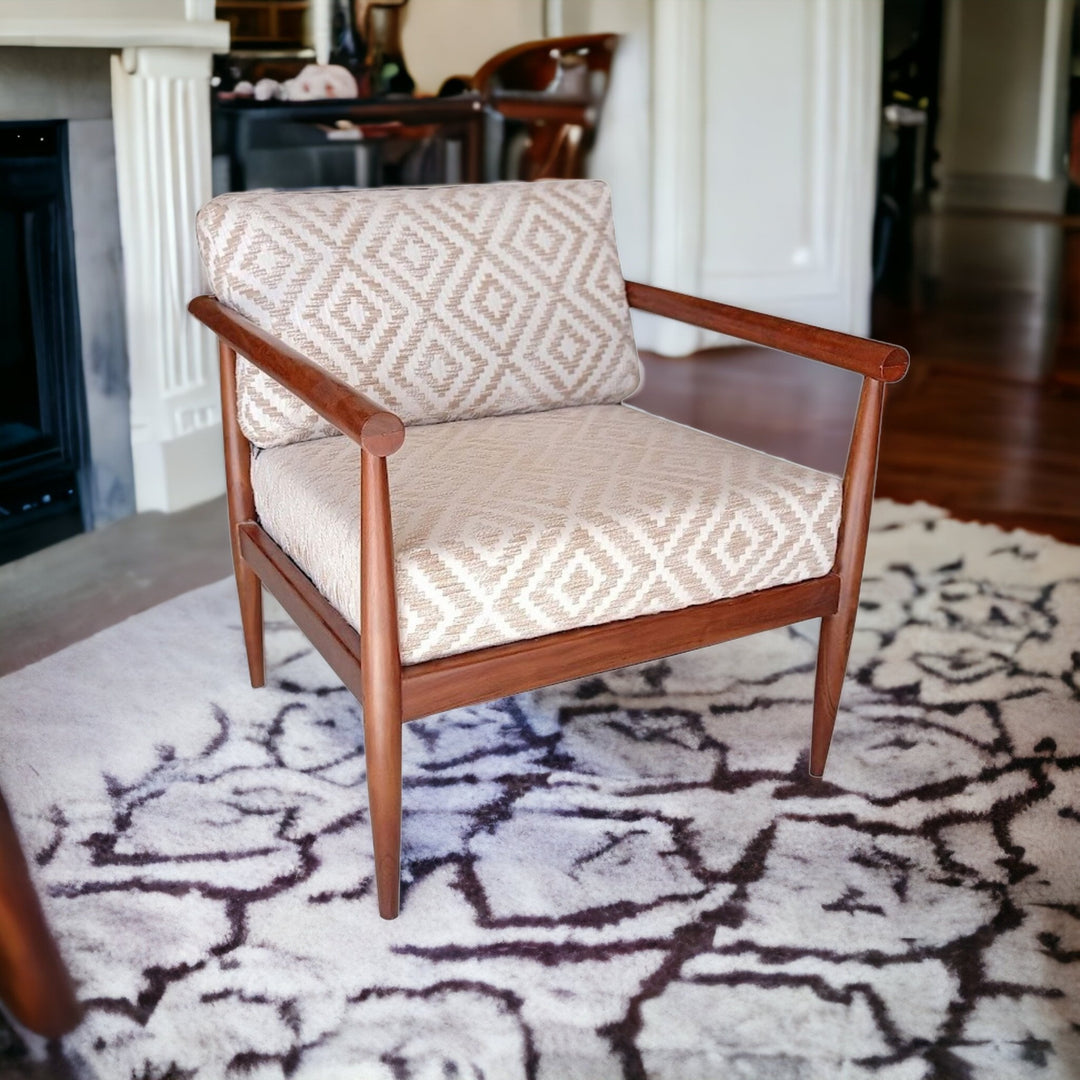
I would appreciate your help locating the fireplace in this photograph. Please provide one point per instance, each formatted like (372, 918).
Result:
(43, 418)
(132, 80)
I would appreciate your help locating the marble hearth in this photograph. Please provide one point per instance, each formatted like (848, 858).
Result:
(132, 79)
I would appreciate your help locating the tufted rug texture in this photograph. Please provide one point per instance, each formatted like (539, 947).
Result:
(627, 876)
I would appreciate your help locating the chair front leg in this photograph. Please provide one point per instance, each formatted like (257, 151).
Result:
(380, 672)
(834, 644)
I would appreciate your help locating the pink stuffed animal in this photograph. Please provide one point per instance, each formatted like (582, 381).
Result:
(318, 81)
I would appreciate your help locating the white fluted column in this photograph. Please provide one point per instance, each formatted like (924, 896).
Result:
(161, 116)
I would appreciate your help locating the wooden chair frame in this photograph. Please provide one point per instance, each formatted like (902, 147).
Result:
(369, 662)
(34, 983)
(536, 62)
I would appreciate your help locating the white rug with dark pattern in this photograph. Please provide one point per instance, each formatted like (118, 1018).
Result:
(628, 876)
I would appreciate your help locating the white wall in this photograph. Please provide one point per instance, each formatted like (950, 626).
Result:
(1003, 103)
(995, 92)
(454, 37)
(623, 152)
(740, 141)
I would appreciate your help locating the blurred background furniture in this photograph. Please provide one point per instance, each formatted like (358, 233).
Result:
(543, 101)
(335, 143)
(265, 23)
(549, 95)
(378, 134)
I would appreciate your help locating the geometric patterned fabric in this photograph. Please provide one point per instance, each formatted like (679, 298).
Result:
(511, 527)
(441, 303)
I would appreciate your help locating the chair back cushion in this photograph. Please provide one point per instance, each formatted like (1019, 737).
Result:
(440, 303)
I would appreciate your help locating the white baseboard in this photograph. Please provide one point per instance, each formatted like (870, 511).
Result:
(178, 473)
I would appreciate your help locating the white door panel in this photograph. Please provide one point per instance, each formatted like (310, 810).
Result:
(765, 141)
(747, 93)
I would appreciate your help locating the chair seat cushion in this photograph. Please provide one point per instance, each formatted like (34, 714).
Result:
(511, 527)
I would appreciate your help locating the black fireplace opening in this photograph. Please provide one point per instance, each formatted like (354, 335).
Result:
(44, 446)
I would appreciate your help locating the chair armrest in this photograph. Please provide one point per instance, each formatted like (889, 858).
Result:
(873, 359)
(351, 412)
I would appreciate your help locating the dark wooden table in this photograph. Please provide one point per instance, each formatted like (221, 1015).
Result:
(242, 125)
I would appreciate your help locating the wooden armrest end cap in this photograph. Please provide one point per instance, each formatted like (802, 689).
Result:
(382, 434)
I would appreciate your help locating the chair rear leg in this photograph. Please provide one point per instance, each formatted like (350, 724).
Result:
(241, 502)
(249, 588)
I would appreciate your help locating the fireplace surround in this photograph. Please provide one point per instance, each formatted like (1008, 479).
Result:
(154, 59)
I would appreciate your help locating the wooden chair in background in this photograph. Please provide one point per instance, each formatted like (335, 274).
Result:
(461, 355)
(550, 95)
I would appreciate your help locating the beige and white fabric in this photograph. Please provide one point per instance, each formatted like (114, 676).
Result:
(511, 527)
(442, 303)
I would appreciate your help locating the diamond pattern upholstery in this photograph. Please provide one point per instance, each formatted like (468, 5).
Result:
(443, 303)
(516, 526)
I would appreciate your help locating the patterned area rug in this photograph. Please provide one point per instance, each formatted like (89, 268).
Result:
(628, 876)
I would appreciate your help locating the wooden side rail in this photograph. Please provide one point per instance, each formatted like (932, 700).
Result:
(875, 359)
(379, 432)
(450, 682)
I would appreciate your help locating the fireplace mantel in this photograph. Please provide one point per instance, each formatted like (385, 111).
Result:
(160, 77)
(111, 33)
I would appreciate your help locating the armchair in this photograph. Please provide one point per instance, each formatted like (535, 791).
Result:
(461, 356)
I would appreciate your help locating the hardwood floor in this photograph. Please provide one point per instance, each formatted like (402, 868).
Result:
(986, 449)
(67, 592)
(987, 424)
